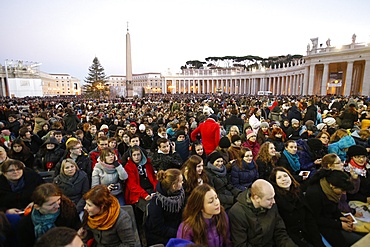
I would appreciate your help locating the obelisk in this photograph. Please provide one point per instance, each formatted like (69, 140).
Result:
(129, 86)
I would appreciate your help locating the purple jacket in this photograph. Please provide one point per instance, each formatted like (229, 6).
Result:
(214, 239)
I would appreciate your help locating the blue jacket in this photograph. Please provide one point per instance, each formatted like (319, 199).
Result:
(243, 178)
(339, 146)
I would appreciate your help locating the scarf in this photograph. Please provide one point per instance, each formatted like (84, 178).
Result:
(359, 170)
(107, 219)
(293, 160)
(43, 222)
(67, 179)
(249, 166)
(329, 192)
(18, 186)
(221, 172)
(172, 204)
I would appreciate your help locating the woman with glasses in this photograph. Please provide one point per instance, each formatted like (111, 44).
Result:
(109, 172)
(244, 170)
(333, 162)
(323, 195)
(357, 163)
(17, 183)
(73, 182)
(50, 209)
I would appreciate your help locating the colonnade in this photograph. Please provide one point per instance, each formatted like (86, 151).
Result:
(284, 84)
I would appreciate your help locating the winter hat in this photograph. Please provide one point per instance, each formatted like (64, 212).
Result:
(51, 140)
(320, 126)
(294, 121)
(264, 125)
(329, 121)
(250, 133)
(274, 122)
(224, 142)
(314, 144)
(142, 127)
(104, 126)
(356, 150)
(340, 180)
(214, 156)
(235, 138)
(179, 133)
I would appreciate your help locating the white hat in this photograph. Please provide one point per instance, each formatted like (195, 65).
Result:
(141, 127)
(329, 121)
(320, 126)
(104, 126)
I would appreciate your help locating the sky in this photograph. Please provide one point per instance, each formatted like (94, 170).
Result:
(66, 35)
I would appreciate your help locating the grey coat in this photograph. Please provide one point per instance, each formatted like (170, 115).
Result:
(121, 234)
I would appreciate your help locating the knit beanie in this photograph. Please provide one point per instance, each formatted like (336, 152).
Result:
(264, 125)
(224, 142)
(179, 133)
(214, 156)
(356, 150)
(295, 121)
(320, 126)
(235, 138)
(250, 133)
(329, 121)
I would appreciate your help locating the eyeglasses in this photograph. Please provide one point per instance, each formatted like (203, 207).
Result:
(359, 157)
(13, 170)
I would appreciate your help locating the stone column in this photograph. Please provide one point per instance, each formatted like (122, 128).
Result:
(311, 79)
(347, 89)
(324, 81)
(366, 79)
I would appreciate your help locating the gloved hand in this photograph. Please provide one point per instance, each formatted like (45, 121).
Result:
(116, 163)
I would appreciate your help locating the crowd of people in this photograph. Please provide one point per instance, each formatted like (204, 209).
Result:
(198, 170)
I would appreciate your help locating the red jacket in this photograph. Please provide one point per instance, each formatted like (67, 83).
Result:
(133, 190)
(209, 132)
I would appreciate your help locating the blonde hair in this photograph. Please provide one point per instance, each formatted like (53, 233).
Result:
(64, 163)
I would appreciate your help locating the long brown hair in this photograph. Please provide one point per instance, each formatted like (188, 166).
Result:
(294, 187)
(190, 173)
(263, 154)
(194, 221)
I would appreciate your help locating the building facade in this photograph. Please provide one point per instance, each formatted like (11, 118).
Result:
(329, 70)
(23, 78)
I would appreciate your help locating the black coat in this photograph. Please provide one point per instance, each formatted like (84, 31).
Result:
(326, 214)
(162, 224)
(20, 199)
(226, 192)
(298, 219)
